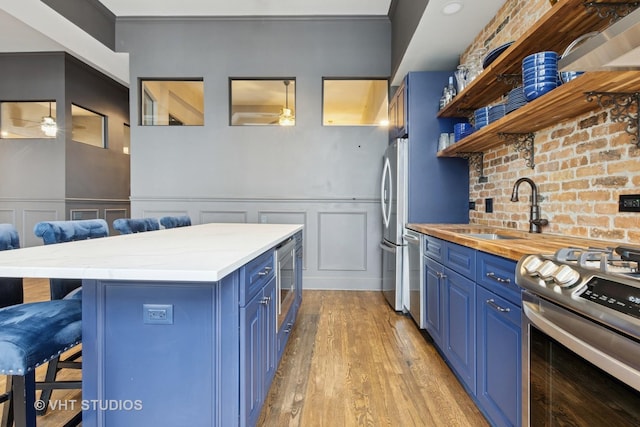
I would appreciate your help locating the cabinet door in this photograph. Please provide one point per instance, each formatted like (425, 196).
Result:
(433, 273)
(499, 361)
(269, 333)
(460, 326)
(251, 357)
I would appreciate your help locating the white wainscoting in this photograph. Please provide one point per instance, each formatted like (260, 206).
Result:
(341, 236)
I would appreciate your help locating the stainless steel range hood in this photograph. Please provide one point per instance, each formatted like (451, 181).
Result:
(615, 48)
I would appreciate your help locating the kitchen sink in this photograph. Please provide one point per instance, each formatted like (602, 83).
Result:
(492, 236)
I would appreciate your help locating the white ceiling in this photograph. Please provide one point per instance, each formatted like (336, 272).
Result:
(30, 25)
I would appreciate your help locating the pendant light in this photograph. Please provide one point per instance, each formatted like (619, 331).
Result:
(286, 116)
(48, 124)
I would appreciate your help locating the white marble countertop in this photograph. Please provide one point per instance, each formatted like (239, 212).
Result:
(201, 253)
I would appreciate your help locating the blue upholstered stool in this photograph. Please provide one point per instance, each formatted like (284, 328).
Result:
(53, 232)
(136, 225)
(175, 221)
(30, 335)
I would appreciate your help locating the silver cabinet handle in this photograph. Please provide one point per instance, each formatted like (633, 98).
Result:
(264, 272)
(498, 279)
(440, 275)
(493, 304)
(265, 300)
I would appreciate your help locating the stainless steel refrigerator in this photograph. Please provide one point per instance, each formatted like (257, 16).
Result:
(417, 186)
(394, 216)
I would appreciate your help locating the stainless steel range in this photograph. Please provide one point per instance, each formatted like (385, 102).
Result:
(581, 337)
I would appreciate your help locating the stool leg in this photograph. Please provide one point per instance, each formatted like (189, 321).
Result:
(45, 395)
(24, 398)
(7, 413)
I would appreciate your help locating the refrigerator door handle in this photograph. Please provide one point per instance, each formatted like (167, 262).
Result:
(384, 197)
(385, 247)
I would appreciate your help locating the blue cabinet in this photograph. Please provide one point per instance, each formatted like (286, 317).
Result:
(258, 350)
(499, 340)
(499, 362)
(434, 286)
(473, 315)
(460, 326)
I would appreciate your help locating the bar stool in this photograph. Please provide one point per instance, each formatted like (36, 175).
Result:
(54, 232)
(175, 221)
(136, 225)
(32, 334)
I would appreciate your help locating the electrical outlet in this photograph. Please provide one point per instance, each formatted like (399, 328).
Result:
(157, 314)
(488, 205)
(472, 205)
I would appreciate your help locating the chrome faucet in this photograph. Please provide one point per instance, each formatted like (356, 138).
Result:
(535, 222)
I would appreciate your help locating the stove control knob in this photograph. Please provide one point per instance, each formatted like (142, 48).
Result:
(547, 269)
(566, 276)
(531, 265)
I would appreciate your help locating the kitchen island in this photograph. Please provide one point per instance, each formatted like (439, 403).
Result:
(178, 324)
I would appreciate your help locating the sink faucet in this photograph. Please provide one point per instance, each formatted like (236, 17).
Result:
(535, 222)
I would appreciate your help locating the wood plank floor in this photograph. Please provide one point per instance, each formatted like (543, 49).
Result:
(350, 361)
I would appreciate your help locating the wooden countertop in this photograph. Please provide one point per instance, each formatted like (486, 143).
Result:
(521, 244)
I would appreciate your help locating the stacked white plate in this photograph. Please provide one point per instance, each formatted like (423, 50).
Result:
(515, 100)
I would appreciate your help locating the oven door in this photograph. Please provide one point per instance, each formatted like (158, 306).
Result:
(285, 279)
(575, 371)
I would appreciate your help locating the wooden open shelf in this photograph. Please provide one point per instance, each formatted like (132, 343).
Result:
(562, 103)
(564, 22)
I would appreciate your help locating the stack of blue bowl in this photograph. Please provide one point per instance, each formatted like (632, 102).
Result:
(515, 100)
(460, 130)
(496, 112)
(539, 74)
(481, 117)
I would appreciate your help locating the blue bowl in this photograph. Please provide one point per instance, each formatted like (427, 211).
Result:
(567, 76)
(536, 91)
(535, 80)
(541, 56)
(534, 63)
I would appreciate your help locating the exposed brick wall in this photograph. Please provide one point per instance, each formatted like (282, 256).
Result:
(581, 165)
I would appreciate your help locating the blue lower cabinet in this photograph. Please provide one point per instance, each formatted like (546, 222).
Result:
(460, 326)
(499, 361)
(257, 352)
(434, 287)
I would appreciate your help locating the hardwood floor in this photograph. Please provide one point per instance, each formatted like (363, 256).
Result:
(350, 361)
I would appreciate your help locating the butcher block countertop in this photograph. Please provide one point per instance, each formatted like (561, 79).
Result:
(524, 242)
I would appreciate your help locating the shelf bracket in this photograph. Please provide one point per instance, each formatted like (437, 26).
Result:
(624, 107)
(612, 10)
(521, 142)
(513, 80)
(476, 160)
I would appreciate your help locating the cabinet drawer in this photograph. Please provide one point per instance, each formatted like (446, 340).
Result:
(460, 259)
(255, 275)
(434, 248)
(498, 275)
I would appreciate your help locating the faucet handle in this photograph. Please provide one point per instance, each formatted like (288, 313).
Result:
(540, 222)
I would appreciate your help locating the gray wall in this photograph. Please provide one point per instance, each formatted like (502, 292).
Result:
(324, 177)
(405, 16)
(90, 15)
(50, 179)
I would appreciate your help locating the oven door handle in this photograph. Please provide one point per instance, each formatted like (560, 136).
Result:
(585, 338)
